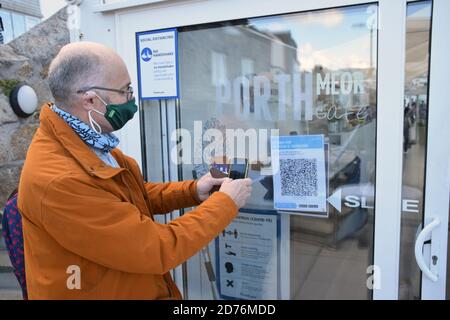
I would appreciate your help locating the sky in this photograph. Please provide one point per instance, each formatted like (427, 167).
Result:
(49, 7)
(335, 38)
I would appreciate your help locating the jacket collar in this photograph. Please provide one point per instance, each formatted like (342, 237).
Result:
(52, 124)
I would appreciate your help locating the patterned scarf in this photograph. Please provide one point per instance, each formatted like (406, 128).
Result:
(104, 142)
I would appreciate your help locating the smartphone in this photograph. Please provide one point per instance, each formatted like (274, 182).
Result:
(238, 169)
(218, 170)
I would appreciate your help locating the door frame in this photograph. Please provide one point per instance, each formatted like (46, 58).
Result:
(437, 185)
(390, 95)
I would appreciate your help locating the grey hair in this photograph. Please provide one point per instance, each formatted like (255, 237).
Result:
(70, 73)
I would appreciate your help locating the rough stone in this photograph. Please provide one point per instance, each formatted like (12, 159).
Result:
(4, 153)
(7, 54)
(11, 64)
(43, 92)
(20, 141)
(26, 59)
(26, 70)
(43, 42)
(5, 134)
(9, 180)
(44, 72)
(7, 115)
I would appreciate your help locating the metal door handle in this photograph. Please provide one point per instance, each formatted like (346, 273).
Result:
(421, 239)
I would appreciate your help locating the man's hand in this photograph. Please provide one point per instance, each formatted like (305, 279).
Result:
(205, 184)
(239, 190)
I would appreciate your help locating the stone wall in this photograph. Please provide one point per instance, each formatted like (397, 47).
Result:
(26, 59)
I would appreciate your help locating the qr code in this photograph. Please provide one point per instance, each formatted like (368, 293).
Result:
(298, 177)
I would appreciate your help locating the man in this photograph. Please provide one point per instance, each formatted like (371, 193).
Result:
(87, 214)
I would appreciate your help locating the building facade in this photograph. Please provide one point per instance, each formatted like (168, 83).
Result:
(366, 81)
(19, 16)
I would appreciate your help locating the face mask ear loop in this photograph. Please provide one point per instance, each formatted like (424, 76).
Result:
(94, 125)
(103, 101)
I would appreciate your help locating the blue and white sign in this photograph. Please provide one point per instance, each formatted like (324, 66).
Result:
(157, 57)
(248, 255)
(146, 54)
(299, 178)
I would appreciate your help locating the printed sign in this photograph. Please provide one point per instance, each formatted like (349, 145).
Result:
(300, 178)
(157, 56)
(247, 257)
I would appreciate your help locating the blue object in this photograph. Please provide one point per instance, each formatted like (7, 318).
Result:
(13, 235)
(146, 54)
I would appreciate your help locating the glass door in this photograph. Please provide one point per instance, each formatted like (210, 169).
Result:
(295, 77)
(425, 196)
(431, 243)
(415, 137)
(312, 96)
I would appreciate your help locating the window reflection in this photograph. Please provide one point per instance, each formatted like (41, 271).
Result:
(299, 74)
(418, 28)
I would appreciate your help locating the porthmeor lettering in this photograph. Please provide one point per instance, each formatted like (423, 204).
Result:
(297, 91)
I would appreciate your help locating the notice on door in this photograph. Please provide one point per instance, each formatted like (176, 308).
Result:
(247, 258)
(157, 56)
(299, 173)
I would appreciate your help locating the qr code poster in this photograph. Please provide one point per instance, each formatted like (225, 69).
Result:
(299, 173)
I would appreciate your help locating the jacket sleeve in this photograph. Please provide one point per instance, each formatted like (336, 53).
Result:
(168, 196)
(95, 224)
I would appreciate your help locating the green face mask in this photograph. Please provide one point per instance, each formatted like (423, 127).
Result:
(119, 114)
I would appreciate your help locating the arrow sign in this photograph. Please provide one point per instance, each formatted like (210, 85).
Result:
(336, 200)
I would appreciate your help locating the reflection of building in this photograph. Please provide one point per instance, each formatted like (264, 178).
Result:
(233, 51)
(19, 16)
(363, 93)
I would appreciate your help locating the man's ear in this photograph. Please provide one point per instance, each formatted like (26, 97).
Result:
(88, 101)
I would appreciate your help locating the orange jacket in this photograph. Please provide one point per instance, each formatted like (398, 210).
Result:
(78, 211)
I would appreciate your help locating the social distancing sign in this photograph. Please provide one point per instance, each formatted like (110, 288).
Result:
(157, 57)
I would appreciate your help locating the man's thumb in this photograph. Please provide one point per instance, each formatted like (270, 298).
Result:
(226, 181)
(218, 181)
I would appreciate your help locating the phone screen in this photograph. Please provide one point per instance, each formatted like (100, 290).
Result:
(238, 170)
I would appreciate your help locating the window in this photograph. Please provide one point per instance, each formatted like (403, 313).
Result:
(16, 24)
(19, 26)
(31, 22)
(8, 33)
(313, 74)
(219, 68)
(248, 67)
(418, 28)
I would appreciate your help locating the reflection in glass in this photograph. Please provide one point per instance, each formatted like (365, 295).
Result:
(301, 74)
(418, 28)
